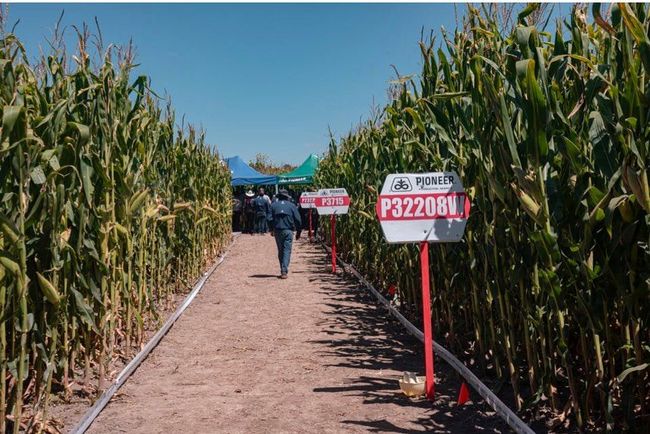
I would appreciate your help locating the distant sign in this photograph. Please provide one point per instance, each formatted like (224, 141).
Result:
(423, 207)
(308, 199)
(332, 201)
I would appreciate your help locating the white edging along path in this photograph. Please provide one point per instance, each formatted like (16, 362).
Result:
(256, 354)
(499, 407)
(92, 413)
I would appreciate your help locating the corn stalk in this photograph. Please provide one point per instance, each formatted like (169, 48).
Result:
(549, 134)
(92, 172)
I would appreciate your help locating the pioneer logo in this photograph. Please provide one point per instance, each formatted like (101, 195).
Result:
(437, 181)
(401, 184)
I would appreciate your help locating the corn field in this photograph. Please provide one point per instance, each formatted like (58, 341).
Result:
(550, 288)
(107, 209)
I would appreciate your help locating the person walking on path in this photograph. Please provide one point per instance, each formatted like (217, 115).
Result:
(262, 212)
(284, 220)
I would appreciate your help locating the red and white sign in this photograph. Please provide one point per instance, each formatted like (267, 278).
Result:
(308, 199)
(423, 207)
(332, 201)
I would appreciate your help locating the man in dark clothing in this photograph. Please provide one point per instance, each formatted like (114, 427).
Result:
(262, 213)
(237, 207)
(249, 212)
(284, 220)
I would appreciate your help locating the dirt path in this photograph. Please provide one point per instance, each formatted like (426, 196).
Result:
(313, 353)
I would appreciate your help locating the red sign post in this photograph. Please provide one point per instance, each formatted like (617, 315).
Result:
(308, 201)
(310, 225)
(423, 208)
(429, 385)
(332, 201)
(333, 226)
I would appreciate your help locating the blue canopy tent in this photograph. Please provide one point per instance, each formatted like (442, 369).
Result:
(243, 174)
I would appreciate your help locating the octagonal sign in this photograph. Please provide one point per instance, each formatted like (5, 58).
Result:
(332, 201)
(308, 199)
(416, 207)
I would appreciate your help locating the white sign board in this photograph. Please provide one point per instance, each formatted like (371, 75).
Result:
(415, 207)
(332, 201)
(308, 199)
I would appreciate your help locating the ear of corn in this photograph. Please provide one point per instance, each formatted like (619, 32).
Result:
(87, 160)
(550, 286)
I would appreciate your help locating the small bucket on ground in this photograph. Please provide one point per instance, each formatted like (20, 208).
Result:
(411, 384)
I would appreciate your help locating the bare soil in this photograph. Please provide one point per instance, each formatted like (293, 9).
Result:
(313, 353)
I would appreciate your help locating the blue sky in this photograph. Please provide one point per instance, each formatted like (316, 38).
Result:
(269, 78)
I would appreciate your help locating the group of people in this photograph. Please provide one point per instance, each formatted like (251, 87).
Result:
(246, 208)
(252, 212)
(259, 214)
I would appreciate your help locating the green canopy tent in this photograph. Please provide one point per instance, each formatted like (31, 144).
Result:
(304, 174)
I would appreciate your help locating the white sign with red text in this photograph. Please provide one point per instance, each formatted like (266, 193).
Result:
(415, 207)
(332, 201)
(308, 199)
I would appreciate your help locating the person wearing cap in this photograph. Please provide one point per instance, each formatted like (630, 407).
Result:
(284, 220)
(249, 212)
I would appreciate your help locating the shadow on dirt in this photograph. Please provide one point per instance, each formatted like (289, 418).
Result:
(264, 276)
(374, 341)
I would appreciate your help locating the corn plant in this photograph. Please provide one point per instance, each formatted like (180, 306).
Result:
(550, 288)
(107, 208)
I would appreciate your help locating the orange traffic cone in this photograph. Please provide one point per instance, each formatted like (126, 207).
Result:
(463, 396)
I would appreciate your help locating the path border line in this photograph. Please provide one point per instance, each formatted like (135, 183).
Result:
(94, 411)
(499, 407)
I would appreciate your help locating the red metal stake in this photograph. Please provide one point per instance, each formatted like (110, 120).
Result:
(310, 225)
(333, 224)
(463, 395)
(429, 385)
